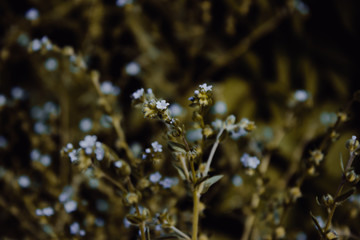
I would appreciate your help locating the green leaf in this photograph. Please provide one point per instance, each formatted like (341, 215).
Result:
(209, 182)
(176, 147)
(180, 171)
(344, 196)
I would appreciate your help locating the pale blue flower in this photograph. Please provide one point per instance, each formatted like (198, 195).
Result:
(237, 180)
(32, 14)
(108, 88)
(85, 124)
(219, 108)
(2, 100)
(155, 177)
(118, 164)
(175, 110)
(249, 161)
(301, 95)
(156, 146)
(17, 93)
(48, 211)
(24, 181)
(36, 45)
(169, 182)
(70, 206)
(131, 68)
(51, 64)
(45, 160)
(138, 93)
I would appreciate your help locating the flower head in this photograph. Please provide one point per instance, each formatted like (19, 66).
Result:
(162, 105)
(205, 87)
(156, 146)
(138, 93)
(249, 161)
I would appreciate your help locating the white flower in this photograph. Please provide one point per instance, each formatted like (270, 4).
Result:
(148, 150)
(132, 68)
(138, 93)
(88, 142)
(69, 146)
(155, 177)
(217, 124)
(238, 132)
(48, 211)
(74, 155)
(74, 228)
(175, 110)
(45, 160)
(162, 105)
(353, 138)
(205, 87)
(100, 153)
(108, 88)
(39, 212)
(236, 180)
(32, 14)
(2, 100)
(156, 146)
(35, 154)
(249, 162)
(36, 45)
(51, 64)
(70, 206)
(85, 124)
(24, 181)
(17, 93)
(169, 182)
(301, 95)
(118, 164)
(220, 108)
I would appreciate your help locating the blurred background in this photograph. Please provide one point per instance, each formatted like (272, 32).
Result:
(255, 53)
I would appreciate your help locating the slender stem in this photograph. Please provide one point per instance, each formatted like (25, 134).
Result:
(180, 233)
(338, 192)
(212, 152)
(142, 225)
(113, 181)
(195, 223)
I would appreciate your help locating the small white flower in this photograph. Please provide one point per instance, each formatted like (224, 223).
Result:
(169, 182)
(217, 124)
(205, 87)
(194, 135)
(2, 100)
(85, 124)
(74, 155)
(100, 153)
(39, 212)
(74, 228)
(69, 146)
(238, 132)
(219, 107)
(175, 110)
(36, 45)
(301, 95)
(24, 181)
(353, 138)
(138, 93)
(51, 64)
(118, 164)
(149, 91)
(121, 3)
(32, 14)
(162, 105)
(35, 154)
(249, 161)
(70, 206)
(45, 160)
(155, 177)
(148, 150)
(88, 142)
(132, 68)
(17, 93)
(237, 181)
(156, 146)
(40, 128)
(108, 88)
(48, 211)
(196, 92)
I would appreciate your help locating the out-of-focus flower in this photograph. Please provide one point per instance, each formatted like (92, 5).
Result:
(249, 161)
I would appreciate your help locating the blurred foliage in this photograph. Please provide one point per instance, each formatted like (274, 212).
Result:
(256, 54)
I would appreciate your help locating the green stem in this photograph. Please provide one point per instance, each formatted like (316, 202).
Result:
(195, 223)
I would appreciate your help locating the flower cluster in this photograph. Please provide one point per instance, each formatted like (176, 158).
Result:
(202, 96)
(153, 153)
(236, 130)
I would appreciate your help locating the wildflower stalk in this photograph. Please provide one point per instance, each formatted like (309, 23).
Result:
(338, 192)
(142, 225)
(116, 118)
(197, 191)
(110, 179)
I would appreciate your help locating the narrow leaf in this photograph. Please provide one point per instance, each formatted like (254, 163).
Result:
(176, 147)
(180, 171)
(344, 196)
(209, 182)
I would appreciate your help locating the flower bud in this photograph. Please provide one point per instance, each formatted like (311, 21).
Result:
(327, 200)
(352, 144)
(331, 235)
